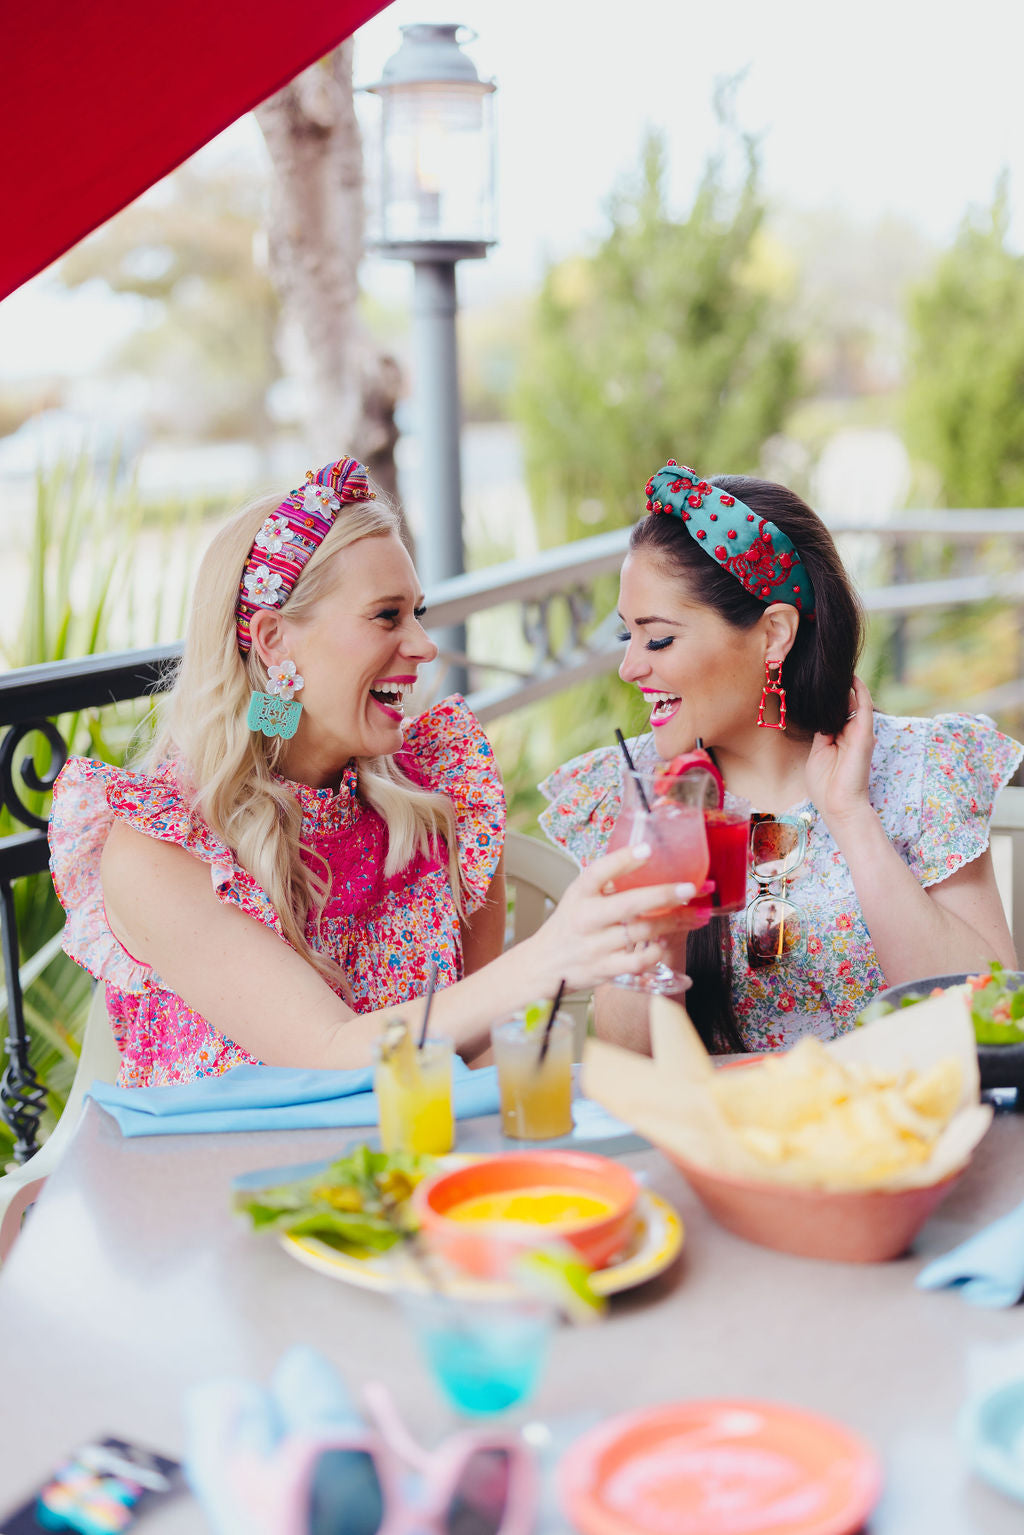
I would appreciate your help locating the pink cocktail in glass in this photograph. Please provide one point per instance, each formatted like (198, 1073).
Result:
(675, 833)
(678, 842)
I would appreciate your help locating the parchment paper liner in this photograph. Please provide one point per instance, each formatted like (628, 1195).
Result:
(667, 1098)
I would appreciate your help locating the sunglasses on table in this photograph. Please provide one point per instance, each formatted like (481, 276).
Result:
(775, 925)
(355, 1481)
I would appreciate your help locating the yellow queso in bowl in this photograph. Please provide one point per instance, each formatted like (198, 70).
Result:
(539, 1206)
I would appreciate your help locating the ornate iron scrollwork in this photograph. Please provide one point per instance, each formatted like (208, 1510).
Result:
(22, 1097)
(38, 783)
(23, 1100)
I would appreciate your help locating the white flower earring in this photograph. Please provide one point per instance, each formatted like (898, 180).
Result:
(276, 712)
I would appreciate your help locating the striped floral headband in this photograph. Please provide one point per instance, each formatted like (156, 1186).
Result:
(291, 535)
(760, 556)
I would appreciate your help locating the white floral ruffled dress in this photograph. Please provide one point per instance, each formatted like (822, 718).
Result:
(933, 784)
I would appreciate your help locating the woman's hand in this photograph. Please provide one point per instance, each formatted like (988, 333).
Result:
(592, 936)
(838, 766)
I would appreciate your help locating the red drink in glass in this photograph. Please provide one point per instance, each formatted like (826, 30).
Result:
(728, 833)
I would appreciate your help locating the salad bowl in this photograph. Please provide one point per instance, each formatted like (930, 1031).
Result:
(999, 1065)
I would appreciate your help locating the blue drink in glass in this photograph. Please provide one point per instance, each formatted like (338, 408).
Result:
(486, 1356)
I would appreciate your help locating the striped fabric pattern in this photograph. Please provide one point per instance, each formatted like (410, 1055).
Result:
(291, 535)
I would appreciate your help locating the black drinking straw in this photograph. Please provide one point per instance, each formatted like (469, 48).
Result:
(429, 997)
(546, 1039)
(629, 763)
(699, 743)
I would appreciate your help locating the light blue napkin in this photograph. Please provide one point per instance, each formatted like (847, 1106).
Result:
(274, 1098)
(989, 1266)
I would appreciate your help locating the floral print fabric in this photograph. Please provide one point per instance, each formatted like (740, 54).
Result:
(933, 783)
(385, 933)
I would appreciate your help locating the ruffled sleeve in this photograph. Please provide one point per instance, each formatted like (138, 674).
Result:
(87, 798)
(449, 752)
(964, 763)
(585, 796)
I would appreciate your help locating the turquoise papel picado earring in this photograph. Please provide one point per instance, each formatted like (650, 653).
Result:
(277, 711)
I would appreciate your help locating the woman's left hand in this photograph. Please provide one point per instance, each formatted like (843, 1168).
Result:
(838, 766)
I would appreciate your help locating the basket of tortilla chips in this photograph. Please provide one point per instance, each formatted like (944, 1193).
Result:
(838, 1150)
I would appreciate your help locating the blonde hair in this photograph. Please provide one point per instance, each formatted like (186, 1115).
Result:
(231, 772)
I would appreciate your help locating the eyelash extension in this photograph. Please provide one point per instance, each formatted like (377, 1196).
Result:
(391, 615)
(661, 644)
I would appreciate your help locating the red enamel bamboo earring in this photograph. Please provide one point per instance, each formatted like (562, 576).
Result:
(772, 685)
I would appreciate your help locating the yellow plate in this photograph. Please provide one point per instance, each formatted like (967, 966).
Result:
(658, 1238)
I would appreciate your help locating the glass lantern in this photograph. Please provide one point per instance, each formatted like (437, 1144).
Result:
(435, 159)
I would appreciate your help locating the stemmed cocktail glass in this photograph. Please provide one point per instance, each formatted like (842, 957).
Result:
(672, 826)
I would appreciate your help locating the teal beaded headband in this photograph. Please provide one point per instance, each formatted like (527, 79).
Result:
(751, 548)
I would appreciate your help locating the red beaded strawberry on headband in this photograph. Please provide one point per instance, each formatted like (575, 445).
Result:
(290, 537)
(754, 550)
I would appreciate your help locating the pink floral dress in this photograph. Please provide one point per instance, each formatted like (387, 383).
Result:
(933, 783)
(385, 933)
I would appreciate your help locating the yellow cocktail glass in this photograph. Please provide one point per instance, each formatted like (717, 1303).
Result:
(414, 1097)
(536, 1095)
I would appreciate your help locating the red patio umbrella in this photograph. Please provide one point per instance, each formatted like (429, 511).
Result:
(101, 98)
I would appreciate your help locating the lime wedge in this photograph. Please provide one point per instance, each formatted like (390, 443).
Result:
(535, 1015)
(560, 1275)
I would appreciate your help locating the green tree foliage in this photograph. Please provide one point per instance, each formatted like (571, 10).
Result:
(965, 393)
(207, 342)
(667, 342)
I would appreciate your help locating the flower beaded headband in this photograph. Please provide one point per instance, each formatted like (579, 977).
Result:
(749, 547)
(290, 537)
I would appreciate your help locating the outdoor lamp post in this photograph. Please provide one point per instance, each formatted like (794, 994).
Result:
(435, 173)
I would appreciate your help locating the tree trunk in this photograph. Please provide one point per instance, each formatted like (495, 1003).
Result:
(315, 246)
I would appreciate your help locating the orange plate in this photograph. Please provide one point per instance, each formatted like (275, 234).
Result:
(719, 1468)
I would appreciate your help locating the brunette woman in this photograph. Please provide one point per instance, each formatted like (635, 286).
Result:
(741, 628)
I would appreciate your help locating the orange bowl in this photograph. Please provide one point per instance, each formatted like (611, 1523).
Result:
(855, 1226)
(485, 1247)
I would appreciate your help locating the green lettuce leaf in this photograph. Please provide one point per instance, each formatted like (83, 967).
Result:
(988, 1030)
(359, 1201)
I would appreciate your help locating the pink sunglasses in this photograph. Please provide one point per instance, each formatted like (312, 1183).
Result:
(351, 1481)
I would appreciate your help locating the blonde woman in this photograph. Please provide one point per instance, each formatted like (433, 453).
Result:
(294, 854)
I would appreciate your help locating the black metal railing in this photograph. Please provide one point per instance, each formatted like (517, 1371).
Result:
(33, 702)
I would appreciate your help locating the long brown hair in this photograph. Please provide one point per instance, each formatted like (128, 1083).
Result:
(817, 675)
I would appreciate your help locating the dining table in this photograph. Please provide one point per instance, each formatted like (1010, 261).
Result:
(133, 1280)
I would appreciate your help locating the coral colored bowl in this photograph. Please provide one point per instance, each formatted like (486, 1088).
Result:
(486, 1247)
(856, 1226)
